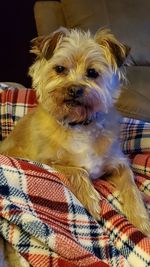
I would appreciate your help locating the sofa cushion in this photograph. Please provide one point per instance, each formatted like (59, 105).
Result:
(85, 14)
(14, 104)
(128, 20)
(48, 16)
(134, 101)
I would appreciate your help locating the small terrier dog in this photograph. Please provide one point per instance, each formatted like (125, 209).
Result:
(77, 78)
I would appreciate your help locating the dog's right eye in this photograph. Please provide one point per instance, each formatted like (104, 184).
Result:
(92, 73)
(59, 69)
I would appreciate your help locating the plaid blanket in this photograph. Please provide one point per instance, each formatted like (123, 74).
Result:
(45, 222)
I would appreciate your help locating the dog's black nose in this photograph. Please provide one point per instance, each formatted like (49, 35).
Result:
(75, 91)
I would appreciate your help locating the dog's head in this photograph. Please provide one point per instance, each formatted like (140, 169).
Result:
(76, 75)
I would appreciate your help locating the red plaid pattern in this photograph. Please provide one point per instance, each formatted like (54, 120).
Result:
(14, 104)
(135, 136)
(45, 222)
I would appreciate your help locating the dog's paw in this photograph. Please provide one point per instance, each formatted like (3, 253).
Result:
(139, 217)
(95, 211)
(92, 203)
(144, 226)
(83, 189)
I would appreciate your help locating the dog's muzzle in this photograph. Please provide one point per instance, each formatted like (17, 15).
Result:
(74, 95)
(75, 91)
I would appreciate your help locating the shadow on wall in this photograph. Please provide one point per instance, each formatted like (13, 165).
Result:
(17, 28)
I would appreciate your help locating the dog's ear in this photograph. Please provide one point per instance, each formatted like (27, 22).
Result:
(114, 49)
(44, 46)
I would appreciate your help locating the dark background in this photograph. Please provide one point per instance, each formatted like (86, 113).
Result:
(17, 28)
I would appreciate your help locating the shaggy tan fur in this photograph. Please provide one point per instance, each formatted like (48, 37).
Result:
(74, 128)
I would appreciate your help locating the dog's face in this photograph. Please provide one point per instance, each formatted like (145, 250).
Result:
(76, 75)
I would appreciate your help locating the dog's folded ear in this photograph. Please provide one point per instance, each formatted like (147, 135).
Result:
(44, 46)
(115, 51)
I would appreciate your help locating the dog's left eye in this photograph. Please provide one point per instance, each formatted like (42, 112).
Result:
(60, 69)
(92, 73)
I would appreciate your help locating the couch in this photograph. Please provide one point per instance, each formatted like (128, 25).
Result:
(129, 21)
(39, 215)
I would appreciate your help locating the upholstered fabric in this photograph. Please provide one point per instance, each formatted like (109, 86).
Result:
(134, 101)
(48, 16)
(129, 20)
(14, 104)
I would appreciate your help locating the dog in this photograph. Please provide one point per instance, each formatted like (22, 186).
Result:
(74, 128)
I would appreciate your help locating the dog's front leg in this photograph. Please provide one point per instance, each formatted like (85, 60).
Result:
(132, 204)
(82, 188)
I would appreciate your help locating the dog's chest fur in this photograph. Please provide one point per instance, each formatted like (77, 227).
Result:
(87, 147)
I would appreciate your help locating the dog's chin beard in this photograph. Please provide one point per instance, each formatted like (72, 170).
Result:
(77, 113)
(73, 111)
(70, 103)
